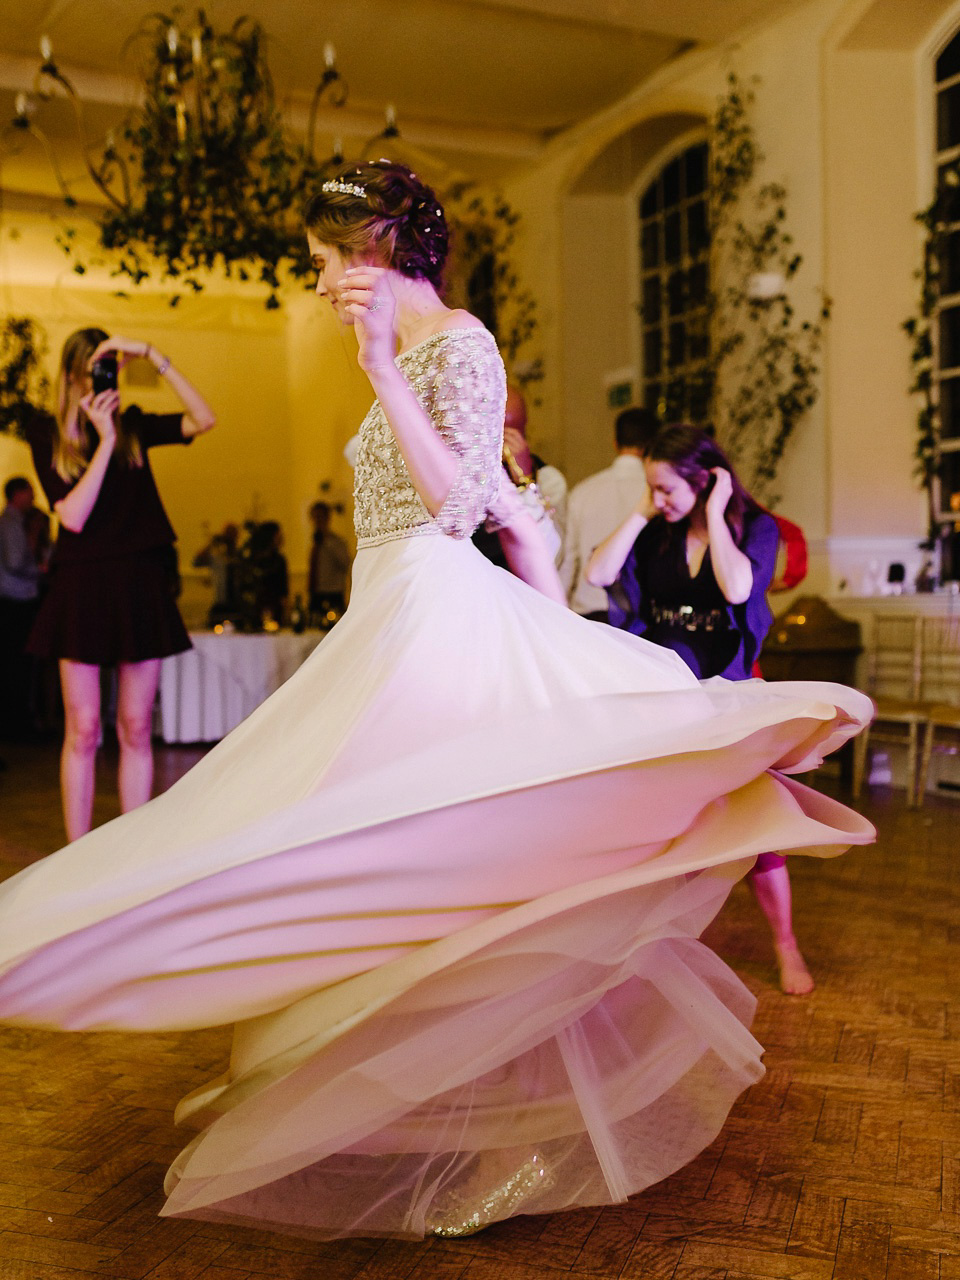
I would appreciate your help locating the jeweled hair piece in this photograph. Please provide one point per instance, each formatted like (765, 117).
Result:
(344, 188)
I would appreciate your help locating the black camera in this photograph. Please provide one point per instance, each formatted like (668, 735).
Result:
(104, 373)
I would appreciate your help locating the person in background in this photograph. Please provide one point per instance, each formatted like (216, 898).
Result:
(110, 599)
(694, 579)
(19, 595)
(601, 503)
(329, 565)
(543, 488)
(272, 584)
(220, 557)
(517, 455)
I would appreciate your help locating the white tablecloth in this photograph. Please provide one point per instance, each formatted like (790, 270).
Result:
(207, 691)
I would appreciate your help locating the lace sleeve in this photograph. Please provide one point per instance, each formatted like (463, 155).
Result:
(504, 508)
(468, 403)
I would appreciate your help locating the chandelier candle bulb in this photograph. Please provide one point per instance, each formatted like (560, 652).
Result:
(173, 40)
(197, 47)
(46, 48)
(391, 116)
(765, 286)
(329, 56)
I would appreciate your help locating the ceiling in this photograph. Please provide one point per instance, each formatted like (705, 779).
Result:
(484, 82)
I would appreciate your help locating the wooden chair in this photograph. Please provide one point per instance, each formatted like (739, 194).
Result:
(894, 680)
(941, 663)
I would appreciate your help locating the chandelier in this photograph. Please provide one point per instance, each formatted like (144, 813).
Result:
(204, 173)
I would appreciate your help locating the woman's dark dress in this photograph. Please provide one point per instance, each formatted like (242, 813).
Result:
(655, 576)
(111, 595)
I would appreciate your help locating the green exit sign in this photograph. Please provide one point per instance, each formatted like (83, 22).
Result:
(619, 395)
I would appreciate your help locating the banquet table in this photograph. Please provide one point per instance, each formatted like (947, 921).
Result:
(207, 691)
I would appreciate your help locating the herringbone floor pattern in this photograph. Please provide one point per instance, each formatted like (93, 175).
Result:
(843, 1164)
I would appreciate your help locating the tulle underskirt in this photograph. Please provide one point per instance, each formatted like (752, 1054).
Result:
(448, 883)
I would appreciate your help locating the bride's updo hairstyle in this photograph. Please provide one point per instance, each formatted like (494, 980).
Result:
(382, 211)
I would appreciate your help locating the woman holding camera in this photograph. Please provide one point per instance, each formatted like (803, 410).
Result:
(111, 584)
(694, 579)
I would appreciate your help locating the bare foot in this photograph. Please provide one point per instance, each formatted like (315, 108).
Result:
(795, 977)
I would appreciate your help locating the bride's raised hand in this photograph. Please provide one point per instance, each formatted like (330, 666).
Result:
(367, 296)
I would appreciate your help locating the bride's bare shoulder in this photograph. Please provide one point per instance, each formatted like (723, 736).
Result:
(460, 319)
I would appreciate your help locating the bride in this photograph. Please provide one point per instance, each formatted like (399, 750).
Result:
(448, 881)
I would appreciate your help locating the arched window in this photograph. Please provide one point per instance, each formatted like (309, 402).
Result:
(946, 365)
(674, 288)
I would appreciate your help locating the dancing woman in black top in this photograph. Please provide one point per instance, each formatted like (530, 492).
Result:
(694, 579)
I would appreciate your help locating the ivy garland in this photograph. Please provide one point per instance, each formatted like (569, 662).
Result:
(483, 228)
(24, 387)
(223, 188)
(936, 220)
(763, 371)
(218, 186)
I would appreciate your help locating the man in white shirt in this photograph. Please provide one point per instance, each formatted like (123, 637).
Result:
(599, 504)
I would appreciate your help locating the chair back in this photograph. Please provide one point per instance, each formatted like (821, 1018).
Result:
(941, 659)
(895, 656)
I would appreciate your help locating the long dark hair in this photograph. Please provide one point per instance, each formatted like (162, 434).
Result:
(693, 454)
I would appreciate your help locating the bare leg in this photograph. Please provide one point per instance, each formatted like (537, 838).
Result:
(81, 705)
(135, 698)
(771, 888)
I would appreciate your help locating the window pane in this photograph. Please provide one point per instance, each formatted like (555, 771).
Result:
(671, 184)
(676, 293)
(698, 338)
(652, 352)
(948, 186)
(677, 345)
(695, 166)
(699, 387)
(650, 307)
(950, 338)
(948, 64)
(649, 201)
(950, 264)
(671, 238)
(948, 473)
(698, 233)
(674, 288)
(697, 284)
(950, 409)
(676, 401)
(948, 117)
(650, 245)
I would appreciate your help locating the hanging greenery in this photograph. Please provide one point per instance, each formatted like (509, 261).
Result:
(484, 277)
(936, 220)
(203, 175)
(24, 387)
(764, 368)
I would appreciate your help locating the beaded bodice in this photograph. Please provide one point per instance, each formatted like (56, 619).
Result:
(458, 377)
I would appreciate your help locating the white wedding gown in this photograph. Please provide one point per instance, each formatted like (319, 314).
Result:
(448, 883)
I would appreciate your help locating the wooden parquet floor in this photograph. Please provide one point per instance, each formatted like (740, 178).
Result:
(842, 1164)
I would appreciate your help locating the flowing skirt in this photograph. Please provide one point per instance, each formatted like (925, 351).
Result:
(448, 883)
